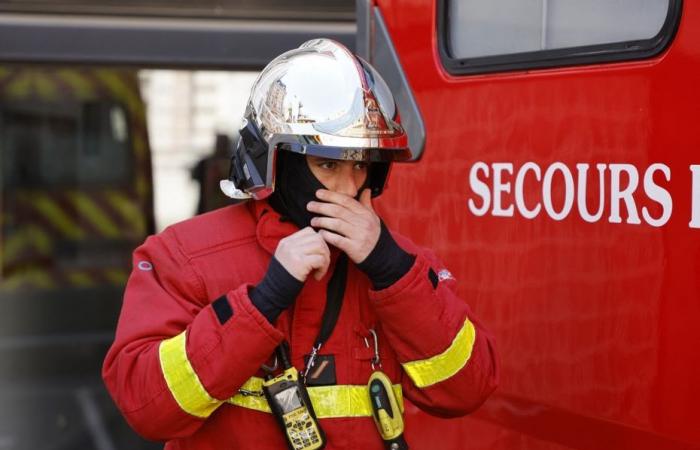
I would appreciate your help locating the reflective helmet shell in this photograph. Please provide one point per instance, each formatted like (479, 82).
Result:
(322, 100)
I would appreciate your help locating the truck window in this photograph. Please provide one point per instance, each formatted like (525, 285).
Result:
(48, 145)
(478, 36)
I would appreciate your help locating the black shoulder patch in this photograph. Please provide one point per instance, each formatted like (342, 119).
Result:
(223, 309)
(433, 278)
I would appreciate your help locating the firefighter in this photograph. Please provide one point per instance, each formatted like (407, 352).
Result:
(207, 173)
(307, 262)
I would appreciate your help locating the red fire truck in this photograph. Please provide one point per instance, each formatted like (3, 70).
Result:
(560, 182)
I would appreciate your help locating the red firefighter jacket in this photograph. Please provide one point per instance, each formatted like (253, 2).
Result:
(180, 375)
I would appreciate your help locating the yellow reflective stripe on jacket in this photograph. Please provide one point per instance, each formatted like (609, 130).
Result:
(328, 401)
(182, 379)
(426, 372)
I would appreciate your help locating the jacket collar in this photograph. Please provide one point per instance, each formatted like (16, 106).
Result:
(270, 229)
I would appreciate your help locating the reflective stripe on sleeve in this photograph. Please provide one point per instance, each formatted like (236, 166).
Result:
(328, 401)
(182, 380)
(426, 372)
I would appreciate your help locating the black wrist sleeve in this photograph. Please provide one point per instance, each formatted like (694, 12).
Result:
(276, 292)
(387, 262)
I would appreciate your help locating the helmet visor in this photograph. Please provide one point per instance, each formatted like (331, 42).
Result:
(348, 153)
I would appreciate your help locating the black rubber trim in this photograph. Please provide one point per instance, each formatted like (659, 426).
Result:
(223, 309)
(433, 278)
(591, 54)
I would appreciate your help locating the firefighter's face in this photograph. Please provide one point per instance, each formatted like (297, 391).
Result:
(345, 177)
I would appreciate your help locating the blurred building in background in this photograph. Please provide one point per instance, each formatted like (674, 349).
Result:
(186, 112)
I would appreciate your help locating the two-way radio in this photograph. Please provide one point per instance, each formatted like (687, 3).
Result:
(290, 404)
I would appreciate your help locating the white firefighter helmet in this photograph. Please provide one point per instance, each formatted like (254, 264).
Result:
(321, 100)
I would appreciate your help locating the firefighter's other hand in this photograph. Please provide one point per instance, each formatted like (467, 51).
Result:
(348, 224)
(304, 252)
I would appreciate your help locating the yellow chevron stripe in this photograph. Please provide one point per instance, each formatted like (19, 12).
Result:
(35, 278)
(143, 187)
(114, 82)
(80, 87)
(116, 276)
(45, 86)
(80, 279)
(94, 214)
(140, 147)
(55, 214)
(127, 208)
(20, 87)
(30, 236)
(30, 82)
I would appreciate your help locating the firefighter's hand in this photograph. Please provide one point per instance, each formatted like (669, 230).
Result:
(304, 252)
(348, 224)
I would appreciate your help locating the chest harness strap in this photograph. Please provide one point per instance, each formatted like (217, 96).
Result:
(335, 292)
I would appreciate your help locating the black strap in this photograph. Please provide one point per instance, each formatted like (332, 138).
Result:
(334, 299)
(335, 292)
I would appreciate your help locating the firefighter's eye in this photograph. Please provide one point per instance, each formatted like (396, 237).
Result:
(361, 165)
(328, 165)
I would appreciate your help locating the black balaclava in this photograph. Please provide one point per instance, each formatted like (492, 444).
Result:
(295, 187)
